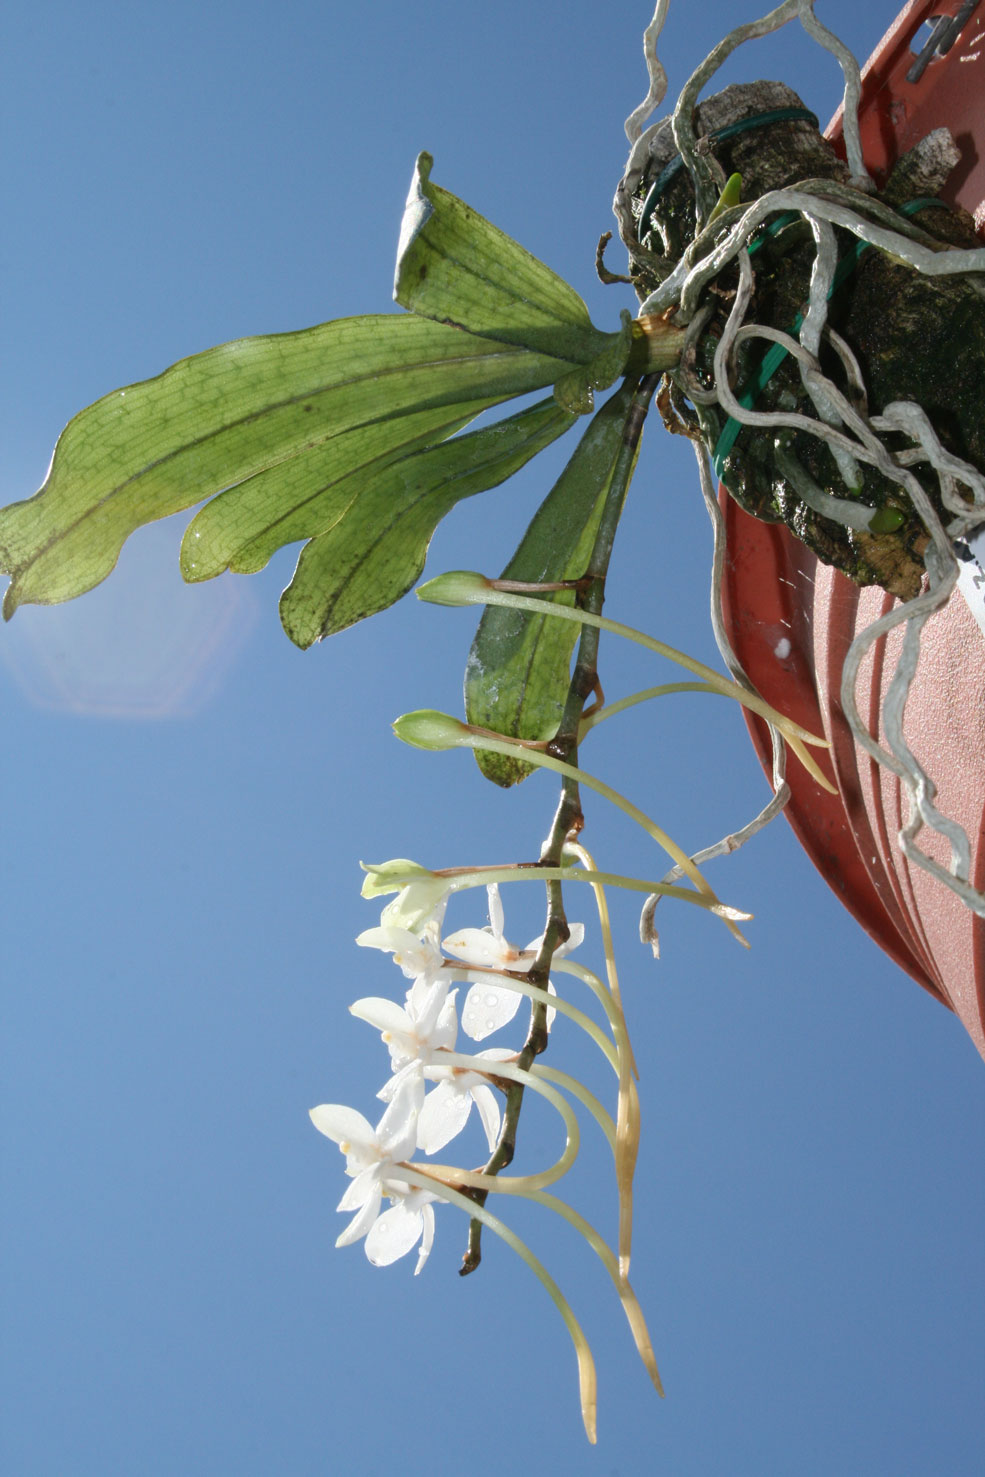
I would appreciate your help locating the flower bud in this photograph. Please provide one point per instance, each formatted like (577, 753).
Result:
(383, 877)
(457, 587)
(420, 894)
(429, 729)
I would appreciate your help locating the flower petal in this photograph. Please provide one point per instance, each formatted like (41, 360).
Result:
(397, 1129)
(416, 905)
(496, 919)
(343, 1125)
(476, 946)
(485, 1102)
(362, 1188)
(576, 936)
(392, 1086)
(396, 1231)
(446, 1027)
(444, 1114)
(425, 1002)
(362, 1220)
(488, 1007)
(415, 956)
(427, 1241)
(387, 939)
(385, 1015)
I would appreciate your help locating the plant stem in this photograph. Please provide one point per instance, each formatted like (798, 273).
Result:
(568, 818)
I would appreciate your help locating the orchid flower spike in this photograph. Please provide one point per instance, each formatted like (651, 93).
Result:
(487, 1007)
(374, 1157)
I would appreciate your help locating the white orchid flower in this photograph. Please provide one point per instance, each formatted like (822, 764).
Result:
(488, 1006)
(417, 906)
(488, 948)
(418, 901)
(418, 955)
(417, 1034)
(399, 1229)
(414, 1033)
(446, 1109)
(373, 1159)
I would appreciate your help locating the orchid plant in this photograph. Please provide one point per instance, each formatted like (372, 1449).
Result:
(350, 436)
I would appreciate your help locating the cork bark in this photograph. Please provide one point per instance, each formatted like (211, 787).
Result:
(916, 338)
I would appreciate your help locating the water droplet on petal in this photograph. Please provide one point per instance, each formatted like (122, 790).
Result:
(492, 999)
(490, 1025)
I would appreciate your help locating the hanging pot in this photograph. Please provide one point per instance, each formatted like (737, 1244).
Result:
(792, 619)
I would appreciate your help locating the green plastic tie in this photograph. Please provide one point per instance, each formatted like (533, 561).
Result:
(674, 166)
(776, 354)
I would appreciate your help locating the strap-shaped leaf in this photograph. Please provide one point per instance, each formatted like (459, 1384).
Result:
(279, 416)
(376, 549)
(519, 666)
(455, 266)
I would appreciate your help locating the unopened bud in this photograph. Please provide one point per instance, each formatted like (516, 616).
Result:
(420, 894)
(383, 877)
(429, 729)
(457, 587)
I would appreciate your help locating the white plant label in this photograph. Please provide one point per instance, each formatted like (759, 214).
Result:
(971, 579)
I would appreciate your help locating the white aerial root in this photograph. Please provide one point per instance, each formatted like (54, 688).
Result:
(861, 178)
(843, 422)
(638, 139)
(655, 71)
(701, 171)
(781, 790)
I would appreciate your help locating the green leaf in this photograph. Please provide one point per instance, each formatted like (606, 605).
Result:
(455, 266)
(376, 549)
(574, 389)
(242, 528)
(280, 420)
(519, 668)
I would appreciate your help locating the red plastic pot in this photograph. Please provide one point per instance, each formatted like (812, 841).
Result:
(792, 619)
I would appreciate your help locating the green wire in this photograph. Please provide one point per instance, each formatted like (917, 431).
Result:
(676, 164)
(776, 354)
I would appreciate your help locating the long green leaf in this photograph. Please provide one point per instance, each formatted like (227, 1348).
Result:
(377, 548)
(455, 266)
(519, 667)
(278, 418)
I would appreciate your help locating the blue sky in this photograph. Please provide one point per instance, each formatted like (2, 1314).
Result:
(186, 797)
